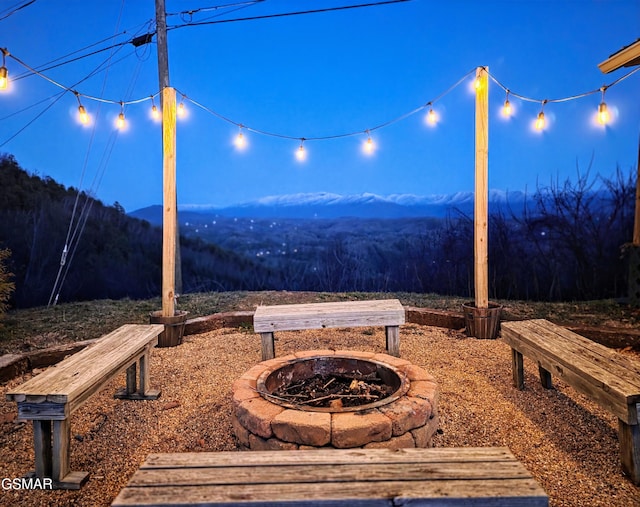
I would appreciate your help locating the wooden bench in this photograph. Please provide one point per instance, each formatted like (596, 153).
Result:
(386, 312)
(49, 398)
(609, 378)
(334, 477)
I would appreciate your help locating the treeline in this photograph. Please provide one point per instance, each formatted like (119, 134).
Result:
(565, 243)
(109, 255)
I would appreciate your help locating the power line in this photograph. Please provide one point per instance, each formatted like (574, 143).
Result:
(16, 9)
(295, 13)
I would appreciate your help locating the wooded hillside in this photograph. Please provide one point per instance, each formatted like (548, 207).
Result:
(109, 255)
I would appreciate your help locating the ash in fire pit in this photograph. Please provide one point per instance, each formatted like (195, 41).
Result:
(340, 399)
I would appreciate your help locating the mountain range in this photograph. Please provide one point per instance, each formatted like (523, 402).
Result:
(326, 205)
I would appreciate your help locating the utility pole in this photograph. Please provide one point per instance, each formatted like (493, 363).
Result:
(169, 217)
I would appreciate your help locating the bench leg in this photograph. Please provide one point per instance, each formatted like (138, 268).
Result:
(393, 340)
(42, 447)
(52, 452)
(517, 369)
(268, 347)
(133, 391)
(629, 437)
(545, 378)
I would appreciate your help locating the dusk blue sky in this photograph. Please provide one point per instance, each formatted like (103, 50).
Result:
(318, 75)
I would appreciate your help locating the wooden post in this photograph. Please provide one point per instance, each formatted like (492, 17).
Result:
(481, 197)
(169, 218)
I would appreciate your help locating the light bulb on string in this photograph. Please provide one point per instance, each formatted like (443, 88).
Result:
(155, 112)
(121, 123)
(368, 146)
(432, 117)
(4, 78)
(83, 116)
(506, 108)
(181, 112)
(240, 141)
(4, 73)
(301, 154)
(603, 112)
(540, 120)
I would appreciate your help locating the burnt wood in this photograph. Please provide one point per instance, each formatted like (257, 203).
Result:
(607, 377)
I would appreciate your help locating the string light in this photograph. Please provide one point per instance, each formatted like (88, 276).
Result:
(83, 117)
(432, 117)
(155, 112)
(301, 154)
(121, 122)
(506, 108)
(4, 73)
(240, 141)
(181, 111)
(368, 146)
(603, 113)
(540, 121)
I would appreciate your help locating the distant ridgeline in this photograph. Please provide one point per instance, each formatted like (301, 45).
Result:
(562, 242)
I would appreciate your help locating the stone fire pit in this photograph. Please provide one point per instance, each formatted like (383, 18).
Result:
(408, 417)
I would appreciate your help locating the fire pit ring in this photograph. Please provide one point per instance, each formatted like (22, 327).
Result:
(408, 417)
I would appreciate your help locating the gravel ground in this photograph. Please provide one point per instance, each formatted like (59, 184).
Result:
(568, 443)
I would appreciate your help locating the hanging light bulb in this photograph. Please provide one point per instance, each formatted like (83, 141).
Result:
(4, 73)
(301, 154)
(506, 108)
(368, 146)
(603, 112)
(4, 78)
(155, 112)
(181, 111)
(82, 115)
(240, 141)
(121, 122)
(432, 117)
(540, 121)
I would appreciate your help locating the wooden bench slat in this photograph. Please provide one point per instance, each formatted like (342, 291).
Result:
(457, 476)
(572, 357)
(502, 493)
(609, 359)
(80, 375)
(328, 457)
(263, 474)
(386, 312)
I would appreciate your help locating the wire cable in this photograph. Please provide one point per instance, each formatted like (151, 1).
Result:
(16, 9)
(285, 14)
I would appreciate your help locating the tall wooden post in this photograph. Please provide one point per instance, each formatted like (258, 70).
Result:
(481, 199)
(169, 217)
